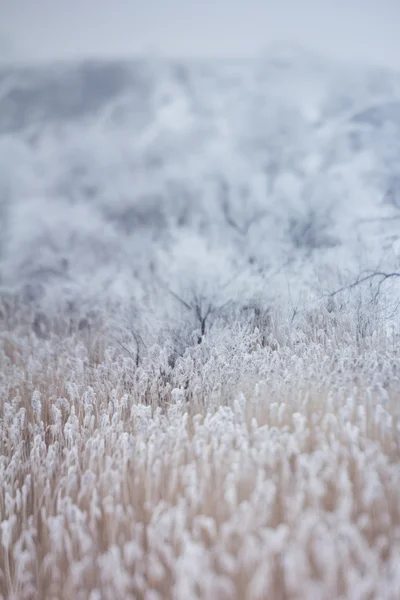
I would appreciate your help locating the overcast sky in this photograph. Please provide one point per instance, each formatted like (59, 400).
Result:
(366, 30)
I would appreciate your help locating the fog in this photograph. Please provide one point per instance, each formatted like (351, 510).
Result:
(350, 30)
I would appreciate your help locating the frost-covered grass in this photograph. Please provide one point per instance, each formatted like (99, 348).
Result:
(245, 471)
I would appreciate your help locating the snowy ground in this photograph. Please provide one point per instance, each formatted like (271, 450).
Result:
(186, 411)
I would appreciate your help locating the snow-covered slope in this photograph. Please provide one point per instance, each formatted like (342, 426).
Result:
(113, 173)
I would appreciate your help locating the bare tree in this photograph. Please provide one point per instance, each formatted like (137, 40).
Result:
(201, 308)
(243, 224)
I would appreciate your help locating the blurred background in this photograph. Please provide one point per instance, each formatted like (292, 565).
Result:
(157, 155)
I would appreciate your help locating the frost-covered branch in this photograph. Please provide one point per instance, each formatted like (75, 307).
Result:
(379, 276)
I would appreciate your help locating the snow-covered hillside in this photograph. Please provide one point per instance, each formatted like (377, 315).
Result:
(113, 171)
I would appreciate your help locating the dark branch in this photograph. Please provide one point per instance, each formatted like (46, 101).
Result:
(371, 276)
(181, 300)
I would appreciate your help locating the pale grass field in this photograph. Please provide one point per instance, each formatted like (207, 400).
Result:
(112, 488)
